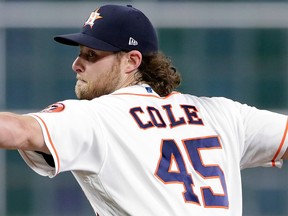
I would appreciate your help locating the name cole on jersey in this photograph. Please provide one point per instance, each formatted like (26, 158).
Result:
(155, 116)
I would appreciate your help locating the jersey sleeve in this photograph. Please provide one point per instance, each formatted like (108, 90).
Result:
(72, 137)
(252, 136)
(265, 139)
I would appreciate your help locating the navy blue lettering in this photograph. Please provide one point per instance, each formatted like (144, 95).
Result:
(191, 113)
(152, 111)
(134, 112)
(173, 121)
(154, 117)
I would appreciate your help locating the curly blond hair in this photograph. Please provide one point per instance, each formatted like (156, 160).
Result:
(157, 71)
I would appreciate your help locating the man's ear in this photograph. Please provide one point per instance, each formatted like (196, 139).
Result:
(133, 60)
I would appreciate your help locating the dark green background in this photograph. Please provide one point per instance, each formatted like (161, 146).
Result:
(243, 64)
(247, 65)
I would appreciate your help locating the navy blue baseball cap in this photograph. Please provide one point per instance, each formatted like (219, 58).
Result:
(115, 28)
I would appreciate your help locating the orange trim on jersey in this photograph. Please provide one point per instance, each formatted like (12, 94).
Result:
(147, 95)
(281, 145)
(51, 142)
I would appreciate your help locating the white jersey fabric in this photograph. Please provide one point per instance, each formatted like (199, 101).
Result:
(135, 153)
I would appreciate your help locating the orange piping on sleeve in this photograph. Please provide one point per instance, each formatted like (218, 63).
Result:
(51, 142)
(281, 144)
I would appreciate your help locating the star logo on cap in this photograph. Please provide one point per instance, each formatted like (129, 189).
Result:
(93, 16)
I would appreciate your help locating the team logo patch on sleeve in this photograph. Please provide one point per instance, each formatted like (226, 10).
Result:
(57, 107)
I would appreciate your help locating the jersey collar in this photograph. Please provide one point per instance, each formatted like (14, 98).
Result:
(140, 89)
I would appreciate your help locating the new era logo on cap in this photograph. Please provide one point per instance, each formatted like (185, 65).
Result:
(132, 42)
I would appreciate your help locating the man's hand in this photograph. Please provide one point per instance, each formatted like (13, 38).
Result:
(21, 132)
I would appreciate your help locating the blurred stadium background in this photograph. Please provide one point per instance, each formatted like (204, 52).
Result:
(235, 49)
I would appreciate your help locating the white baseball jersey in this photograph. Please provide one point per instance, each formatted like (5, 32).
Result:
(135, 153)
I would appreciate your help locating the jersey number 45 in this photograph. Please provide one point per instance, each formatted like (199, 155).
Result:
(170, 153)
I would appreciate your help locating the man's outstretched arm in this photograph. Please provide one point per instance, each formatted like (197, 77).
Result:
(21, 132)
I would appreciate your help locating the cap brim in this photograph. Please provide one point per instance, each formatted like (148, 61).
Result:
(85, 40)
